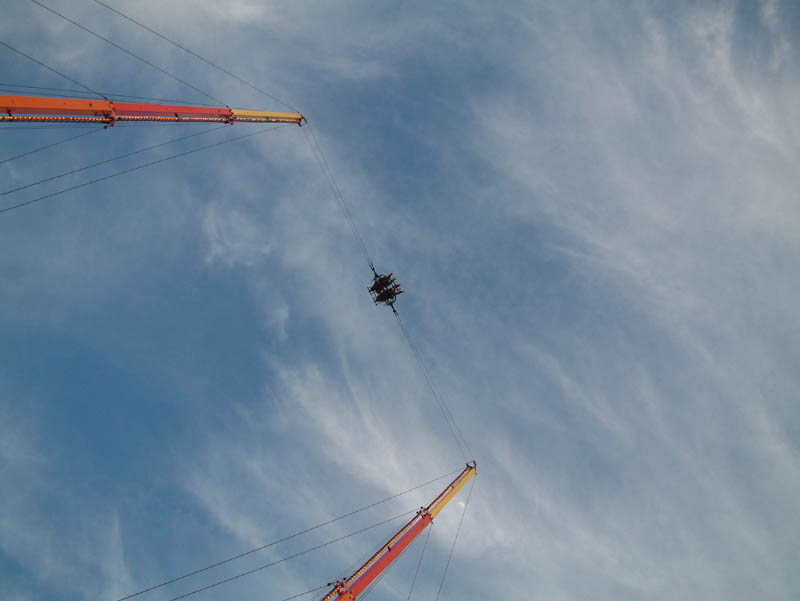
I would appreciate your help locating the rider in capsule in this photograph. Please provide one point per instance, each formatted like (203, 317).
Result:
(388, 295)
(384, 288)
(381, 282)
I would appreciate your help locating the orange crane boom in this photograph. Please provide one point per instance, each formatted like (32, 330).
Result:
(350, 588)
(103, 110)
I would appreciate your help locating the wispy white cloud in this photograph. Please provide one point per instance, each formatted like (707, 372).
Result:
(41, 528)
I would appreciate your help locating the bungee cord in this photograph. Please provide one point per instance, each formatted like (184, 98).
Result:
(452, 425)
(327, 172)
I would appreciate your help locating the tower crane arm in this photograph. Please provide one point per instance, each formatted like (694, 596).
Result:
(103, 110)
(350, 588)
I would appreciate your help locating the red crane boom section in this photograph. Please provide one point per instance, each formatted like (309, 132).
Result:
(103, 110)
(350, 588)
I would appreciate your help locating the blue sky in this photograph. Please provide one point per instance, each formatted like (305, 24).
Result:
(593, 210)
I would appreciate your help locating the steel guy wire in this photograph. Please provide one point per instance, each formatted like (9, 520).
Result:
(283, 559)
(38, 62)
(116, 158)
(394, 562)
(65, 92)
(460, 523)
(419, 563)
(286, 538)
(40, 149)
(28, 127)
(128, 52)
(308, 592)
(124, 171)
(194, 54)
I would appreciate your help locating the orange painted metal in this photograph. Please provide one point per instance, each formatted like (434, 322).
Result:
(36, 105)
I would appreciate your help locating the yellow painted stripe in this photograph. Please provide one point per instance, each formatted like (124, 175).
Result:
(453, 491)
(266, 114)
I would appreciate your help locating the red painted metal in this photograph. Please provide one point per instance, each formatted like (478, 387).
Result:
(140, 109)
(388, 557)
(28, 108)
(350, 588)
